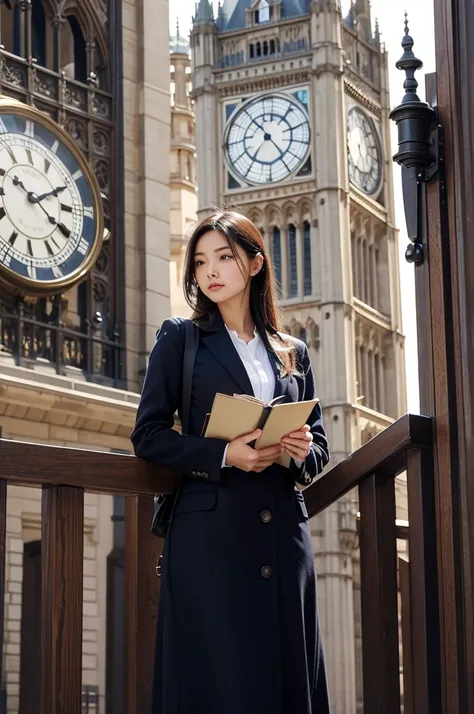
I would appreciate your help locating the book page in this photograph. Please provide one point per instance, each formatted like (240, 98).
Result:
(283, 419)
(231, 418)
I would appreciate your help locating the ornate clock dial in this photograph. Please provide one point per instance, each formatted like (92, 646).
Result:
(267, 140)
(50, 209)
(365, 170)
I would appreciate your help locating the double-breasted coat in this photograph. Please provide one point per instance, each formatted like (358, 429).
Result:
(238, 628)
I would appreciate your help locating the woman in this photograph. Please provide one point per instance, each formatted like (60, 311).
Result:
(238, 628)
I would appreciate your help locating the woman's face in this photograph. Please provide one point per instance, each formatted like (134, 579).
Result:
(219, 275)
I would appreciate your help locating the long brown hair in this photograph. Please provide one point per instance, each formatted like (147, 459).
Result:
(239, 230)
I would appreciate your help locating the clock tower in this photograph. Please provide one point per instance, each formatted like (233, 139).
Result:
(291, 101)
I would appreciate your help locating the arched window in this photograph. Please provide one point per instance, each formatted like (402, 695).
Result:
(259, 49)
(38, 32)
(276, 252)
(262, 13)
(73, 50)
(251, 51)
(265, 49)
(272, 47)
(308, 286)
(293, 292)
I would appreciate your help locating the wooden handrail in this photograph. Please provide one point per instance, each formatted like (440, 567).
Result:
(24, 463)
(385, 452)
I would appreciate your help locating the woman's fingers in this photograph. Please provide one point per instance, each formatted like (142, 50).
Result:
(298, 454)
(301, 435)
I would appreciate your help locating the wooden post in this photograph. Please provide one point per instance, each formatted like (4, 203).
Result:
(423, 584)
(62, 537)
(378, 570)
(142, 550)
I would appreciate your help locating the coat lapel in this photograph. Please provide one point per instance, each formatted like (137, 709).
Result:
(221, 346)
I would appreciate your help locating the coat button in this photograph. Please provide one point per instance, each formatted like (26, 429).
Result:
(266, 516)
(193, 473)
(266, 572)
(205, 474)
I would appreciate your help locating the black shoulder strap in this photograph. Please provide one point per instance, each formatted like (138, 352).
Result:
(189, 355)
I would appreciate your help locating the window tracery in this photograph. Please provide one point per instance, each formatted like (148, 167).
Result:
(371, 367)
(369, 253)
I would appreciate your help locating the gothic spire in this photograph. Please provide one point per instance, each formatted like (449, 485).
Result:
(204, 12)
(360, 18)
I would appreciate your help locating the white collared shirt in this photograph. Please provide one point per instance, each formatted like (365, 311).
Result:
(257, 364)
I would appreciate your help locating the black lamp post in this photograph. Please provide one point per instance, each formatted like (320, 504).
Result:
(416, 155)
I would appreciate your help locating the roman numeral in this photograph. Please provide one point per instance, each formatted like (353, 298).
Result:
(2, 172)
(32, 272)
(66, 208)
(57, 272)
(88, 212)
(83, 246)
(55, 147)
(30, 157)
(54, 243)
(76, 176)
(47, 165)
(30, 248)
(3, 128)
(5, 255)
(48, 248)
(30, 128)
(13, 238)
(12, 155)
(2, 212)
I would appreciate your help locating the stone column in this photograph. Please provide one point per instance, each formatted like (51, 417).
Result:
(300, 259)
(285, 272)
(147, 168)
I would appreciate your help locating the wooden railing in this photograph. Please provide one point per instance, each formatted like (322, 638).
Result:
(65, 474)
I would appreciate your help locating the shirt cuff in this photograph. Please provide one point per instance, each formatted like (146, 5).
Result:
(299, 464)
(224, 465)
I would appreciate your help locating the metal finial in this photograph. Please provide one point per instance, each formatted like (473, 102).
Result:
(410, 64)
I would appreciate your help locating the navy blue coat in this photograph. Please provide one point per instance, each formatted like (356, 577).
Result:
(238, 628)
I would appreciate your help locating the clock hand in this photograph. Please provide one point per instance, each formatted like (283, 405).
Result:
(17, 182)
(32, 197)
(54, 192)
(51, 219)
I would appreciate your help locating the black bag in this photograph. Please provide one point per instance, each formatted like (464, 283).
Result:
(165, 503)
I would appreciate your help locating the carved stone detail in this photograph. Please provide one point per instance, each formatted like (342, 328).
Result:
(101, 143)
(13, 73)
(78, 131)
(75, 97)
(102, 174)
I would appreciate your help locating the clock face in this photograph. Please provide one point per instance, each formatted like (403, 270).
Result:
(365, 169)
(50, 209)
(267, 140)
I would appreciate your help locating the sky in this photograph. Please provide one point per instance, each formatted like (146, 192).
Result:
(390, 14)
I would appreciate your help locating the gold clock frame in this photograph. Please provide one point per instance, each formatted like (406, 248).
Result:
(42, 288)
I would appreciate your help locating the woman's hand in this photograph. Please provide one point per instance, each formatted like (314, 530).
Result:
(243, 457)
(297, 445)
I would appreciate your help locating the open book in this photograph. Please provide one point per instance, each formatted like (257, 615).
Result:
(235, 416)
